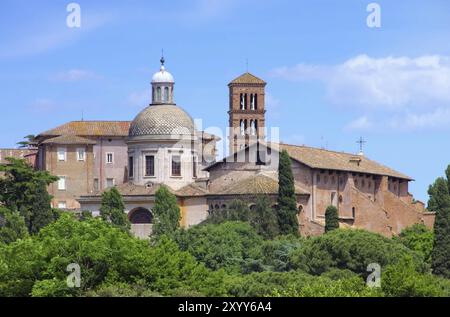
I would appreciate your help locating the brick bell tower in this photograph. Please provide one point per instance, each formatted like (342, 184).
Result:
(247, 111)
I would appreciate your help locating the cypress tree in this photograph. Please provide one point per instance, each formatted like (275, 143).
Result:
(331, 218)
(113, 209)
(287, 203)
(166, 211)
(439, 202)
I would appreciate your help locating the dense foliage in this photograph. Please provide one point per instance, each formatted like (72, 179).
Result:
(440, 203)
(108, 258)
(24, 190)
(241, 251)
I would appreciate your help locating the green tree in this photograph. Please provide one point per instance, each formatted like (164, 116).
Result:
(25, 190)
(113, 209)
(12, 226)
(347, 249)
(264, 219)
(287, 203)
(108, 257)
(230, 245)
(331, 218)
(403, 280)
(418, 238)
(166, 211)
(439, 202)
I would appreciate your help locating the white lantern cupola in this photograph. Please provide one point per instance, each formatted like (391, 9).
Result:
(162, 86)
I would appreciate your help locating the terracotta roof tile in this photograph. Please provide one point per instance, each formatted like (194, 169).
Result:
(69, 139)
(91, 128)
(340, 161)
(254, 185)
(247, 78)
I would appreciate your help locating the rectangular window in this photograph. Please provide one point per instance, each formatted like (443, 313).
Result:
(109, 158)
(130, 167)
(194, 167)
(96, 184)
(62, 154)
(109, 182)
(81, 154)
(62, 205)
(176, 165)
(62, 183)
(150, 165)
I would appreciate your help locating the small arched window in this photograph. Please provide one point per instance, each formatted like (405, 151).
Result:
(166, 94)
(242, 127)
(353, 212)
(158, 94)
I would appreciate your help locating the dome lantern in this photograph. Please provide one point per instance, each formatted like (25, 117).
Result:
(162, 86)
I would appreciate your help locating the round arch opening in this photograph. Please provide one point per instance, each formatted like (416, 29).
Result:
(140, 215)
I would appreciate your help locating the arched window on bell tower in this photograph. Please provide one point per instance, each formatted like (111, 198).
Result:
(242, 124)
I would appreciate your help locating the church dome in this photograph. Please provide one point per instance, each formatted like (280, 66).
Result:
(169, 120)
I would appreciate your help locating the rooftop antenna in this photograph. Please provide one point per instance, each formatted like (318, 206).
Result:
(361, 143)
(246, 65)
(82, 115)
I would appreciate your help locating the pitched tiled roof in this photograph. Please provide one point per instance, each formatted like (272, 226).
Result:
(69, 139)
(340, 161)
(191, 190)
(247, 78)
(91, 128)
(330, 160)
(254, 185)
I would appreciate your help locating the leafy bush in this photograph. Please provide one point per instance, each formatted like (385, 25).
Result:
(106, 254)
(418, 238)
(403, 280)
(346, 249)
(229, 245)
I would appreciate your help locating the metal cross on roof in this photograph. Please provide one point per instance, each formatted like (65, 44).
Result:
(361, 143)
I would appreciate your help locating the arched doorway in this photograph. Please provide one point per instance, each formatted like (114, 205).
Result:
(140, 215)
(141, 222)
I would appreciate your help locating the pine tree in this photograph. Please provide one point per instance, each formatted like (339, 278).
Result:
(264, 219)
(12, 226)
(166, 211)
(287, 203)
(25, 190)
(113, 209)
(439, 202)
(331, 218)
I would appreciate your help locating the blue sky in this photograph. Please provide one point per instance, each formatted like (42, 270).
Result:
(331, 79)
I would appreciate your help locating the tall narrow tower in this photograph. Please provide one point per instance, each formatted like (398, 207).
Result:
(247, 111)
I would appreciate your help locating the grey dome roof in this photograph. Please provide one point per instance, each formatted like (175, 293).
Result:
(162, 120)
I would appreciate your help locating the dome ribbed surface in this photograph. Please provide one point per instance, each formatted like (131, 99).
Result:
(162, 120)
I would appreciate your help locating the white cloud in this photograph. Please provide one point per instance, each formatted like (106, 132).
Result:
(361, 123)
(431, 120)
(402, 85)
(75, 75)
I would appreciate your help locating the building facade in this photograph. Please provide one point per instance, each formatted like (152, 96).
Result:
(162, 146)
